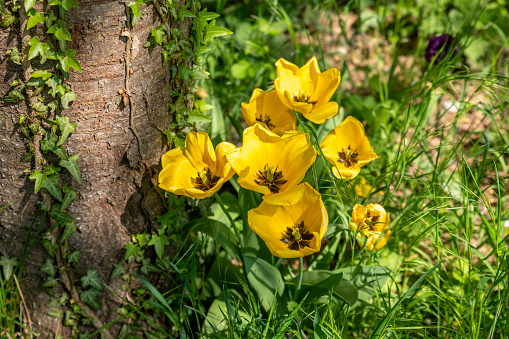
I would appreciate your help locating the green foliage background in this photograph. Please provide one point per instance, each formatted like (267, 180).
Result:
(442, 134)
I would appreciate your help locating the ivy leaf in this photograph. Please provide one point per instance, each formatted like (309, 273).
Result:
(14, 96)
(48, 268)
(37, 48)
(52, 185)
(67, 98)
(158, 33)
(90, 297)
(41, 74)
(53, 82)
(74, 257)
(8, 19)
(49, 144)
(142, 239)
(66, 4)
(50, 282)
(69, 61)
(66, 128)
(194, 116)
(185, 13)
(8, 265)
(27, 157)
(39, 180)
(131, 249)
(69, 196)
(207, 15)
(15, 56)
(29, 4)
(148, 267)
(49, 18)
(215, 31)
(34, 17)
(69, 230)
(50, 246)
(118, 270)
(135, 7)
(53, 302)
(63, 298)
(72, 166)
(92, 279)
(185, 72)
(58, 313)
(198, 73)
(158, 242)
(59, 30)
(40, 109)
(58, 214)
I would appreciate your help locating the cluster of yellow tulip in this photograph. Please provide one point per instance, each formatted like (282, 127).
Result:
(274, 158)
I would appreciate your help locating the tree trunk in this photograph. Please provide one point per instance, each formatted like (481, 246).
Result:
(116, 182)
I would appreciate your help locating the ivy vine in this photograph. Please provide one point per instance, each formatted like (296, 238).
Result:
(46, 93)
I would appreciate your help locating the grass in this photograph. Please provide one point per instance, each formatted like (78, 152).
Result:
(442, 135)
(442, 173)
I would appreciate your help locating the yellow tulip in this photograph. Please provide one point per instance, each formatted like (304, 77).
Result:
(307, 90)
(267, 108)
(363, 189)
(269, 163)
(196, 170)
(371, 221)
(348, 149)
(292, 230)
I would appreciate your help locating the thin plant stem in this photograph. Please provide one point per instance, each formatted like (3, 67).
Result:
(223, 207)
(301, 275)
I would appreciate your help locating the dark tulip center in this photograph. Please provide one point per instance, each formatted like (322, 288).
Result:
(266, 121)
(271, 178)
(348, 157)
(204, 180)
(296, 237)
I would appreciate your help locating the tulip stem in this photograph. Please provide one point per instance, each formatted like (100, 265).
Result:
(225, 210)
(314, 139)
(301, 275)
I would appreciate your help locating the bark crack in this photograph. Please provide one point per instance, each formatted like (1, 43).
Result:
(127, 59)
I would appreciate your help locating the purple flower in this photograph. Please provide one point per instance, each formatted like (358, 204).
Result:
(436, 44)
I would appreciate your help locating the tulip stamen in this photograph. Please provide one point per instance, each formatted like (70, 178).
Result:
(302, 96)
(372, 221)
(266, 121)
(296, 237)
(348, 157)
(204, 180)
(271, 178)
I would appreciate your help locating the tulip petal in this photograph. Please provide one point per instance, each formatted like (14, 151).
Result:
(200, 151)
(297, 166)
(223, 168)
(289, 197)
(277, 224)
(326, 85)
(319, 115)
(171, 156)
(255, 106)
(310, 71)
(340, 171)
(268, 107)
(178, 174)
(371, 220)
(347, 138)
(285, 67)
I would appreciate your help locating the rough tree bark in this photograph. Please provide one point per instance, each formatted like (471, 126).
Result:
(116, 197)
